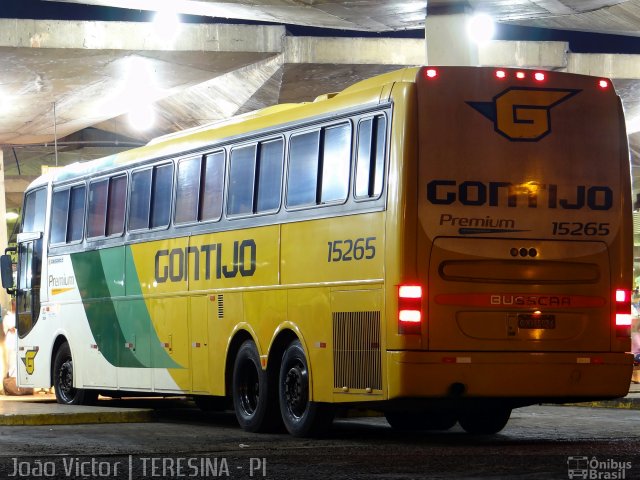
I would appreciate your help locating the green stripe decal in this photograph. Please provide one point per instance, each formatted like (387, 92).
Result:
(121, 325)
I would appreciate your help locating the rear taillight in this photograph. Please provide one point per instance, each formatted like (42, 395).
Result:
(623, 312)
(409, 309)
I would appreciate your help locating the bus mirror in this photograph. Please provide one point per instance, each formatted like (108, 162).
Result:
(6, 269)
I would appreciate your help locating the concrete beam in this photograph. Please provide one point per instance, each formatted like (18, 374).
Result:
(139, 36)
(354, 51)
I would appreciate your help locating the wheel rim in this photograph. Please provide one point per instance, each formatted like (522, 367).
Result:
(249, 389)
(296, 391)
(65, 380)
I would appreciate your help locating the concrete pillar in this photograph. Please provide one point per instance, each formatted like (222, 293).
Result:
(446, 35)
(4, 298)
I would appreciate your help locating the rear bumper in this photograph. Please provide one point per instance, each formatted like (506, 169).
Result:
(544, 376)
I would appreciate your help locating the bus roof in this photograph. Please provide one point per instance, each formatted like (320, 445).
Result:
(365, 91)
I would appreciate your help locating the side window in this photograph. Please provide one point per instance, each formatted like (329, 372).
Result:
(116, 205)
(269, 181)
(212, 187)
(370, 161)
(76, 214)
(187, 190)
(97, 208)
(241, 179)
(59, 214)
(67, 215)
(303, 169)
(336, 162)
(150, 203)
(319, 166)
(255, 178)
(161, 195)
(140, 199)
(35, 206)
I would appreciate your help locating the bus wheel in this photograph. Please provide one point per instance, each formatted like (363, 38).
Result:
(484, 421)
(254, 404)
(414, 421)
(301, 417)
(63, 380)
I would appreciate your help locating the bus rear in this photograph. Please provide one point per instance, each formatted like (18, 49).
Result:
(523, 245)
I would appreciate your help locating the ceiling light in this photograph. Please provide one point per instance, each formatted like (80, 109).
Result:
(480, 28)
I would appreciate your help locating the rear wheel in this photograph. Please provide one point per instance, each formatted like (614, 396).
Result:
(66, 393)
(254, 404)
(484, 421)
(414, 421)
(302, 417)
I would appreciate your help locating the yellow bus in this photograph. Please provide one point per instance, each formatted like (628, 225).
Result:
(439, 244)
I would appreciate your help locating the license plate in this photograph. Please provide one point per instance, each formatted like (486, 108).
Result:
(536, 321)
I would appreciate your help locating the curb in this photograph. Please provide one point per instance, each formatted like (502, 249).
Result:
(76, 418)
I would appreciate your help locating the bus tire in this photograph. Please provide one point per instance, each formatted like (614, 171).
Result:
(254, 403)
(301, 417)
(66, 393)
(415, 421)
(484, 421)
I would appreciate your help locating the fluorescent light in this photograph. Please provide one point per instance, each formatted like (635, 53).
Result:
(11, 216)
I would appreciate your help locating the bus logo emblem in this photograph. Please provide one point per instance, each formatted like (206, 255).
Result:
(29, 360)
(523, 114)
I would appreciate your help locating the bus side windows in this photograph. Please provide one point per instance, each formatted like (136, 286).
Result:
(116, 205)
(370, 161)
(67, 215)
(199, 188)
(319, 165)
(303, 169)
(255, 178)
(150, 203)
(97, 208)
(336, 163)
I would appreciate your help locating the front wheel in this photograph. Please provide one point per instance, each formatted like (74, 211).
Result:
(66, 393)
(302, 417)
(484, 421)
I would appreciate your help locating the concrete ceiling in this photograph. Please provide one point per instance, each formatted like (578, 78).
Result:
(605, 16)
(75, 81)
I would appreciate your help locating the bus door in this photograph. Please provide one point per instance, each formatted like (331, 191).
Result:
(29, 271)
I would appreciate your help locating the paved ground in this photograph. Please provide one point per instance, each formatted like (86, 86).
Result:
(42, 409)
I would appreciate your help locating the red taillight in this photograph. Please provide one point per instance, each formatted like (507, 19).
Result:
(539, 76)
(603, 84)
(623, 312)
(431, 73)
(520, 75)
(501, 74)
(409, 309)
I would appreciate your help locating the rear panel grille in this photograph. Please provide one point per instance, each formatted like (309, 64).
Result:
(357, 357)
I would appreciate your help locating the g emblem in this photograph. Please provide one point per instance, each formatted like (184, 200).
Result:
(523, 114)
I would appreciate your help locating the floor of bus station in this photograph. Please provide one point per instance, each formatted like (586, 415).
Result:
(41, 408)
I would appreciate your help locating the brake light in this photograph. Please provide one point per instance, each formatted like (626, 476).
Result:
(409, 309)
(539, 76)
(431, 73)
(603, 84)
(520, 75)
(623, 312)
(501, 74)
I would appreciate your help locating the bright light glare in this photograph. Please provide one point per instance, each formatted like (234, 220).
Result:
(480, 28)
(539, 76)
(142, 117)
(10, 216)
(166, 25)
